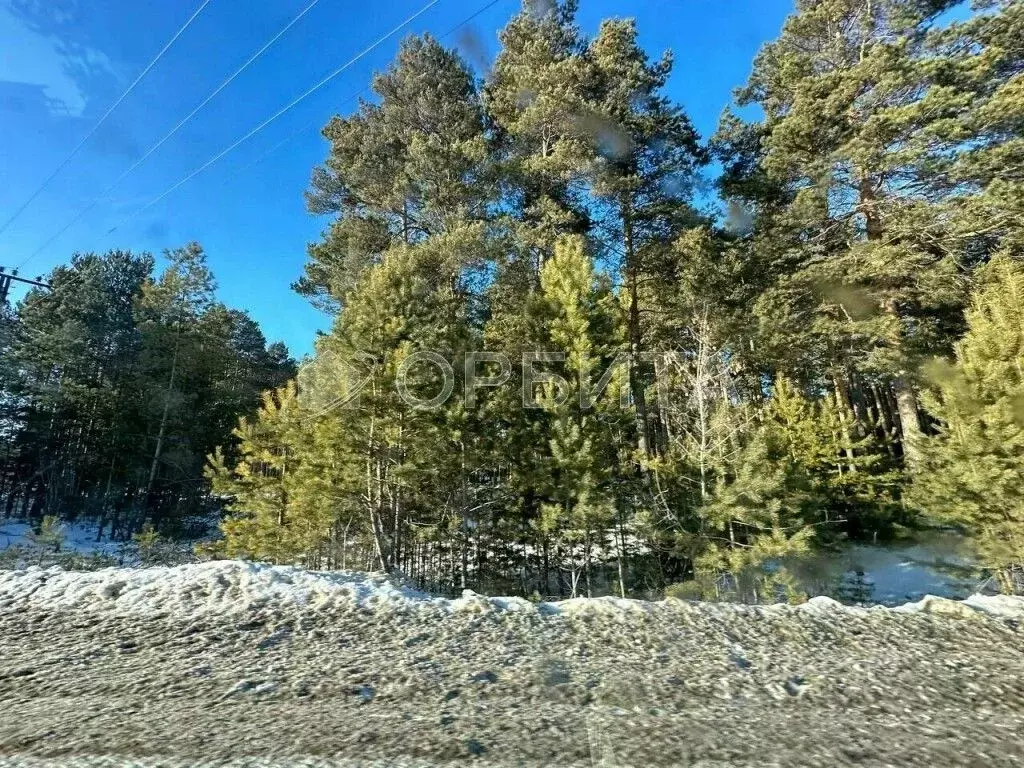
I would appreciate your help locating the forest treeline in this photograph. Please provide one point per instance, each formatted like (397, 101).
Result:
(806, 327)
(781, 389)
(116, 385)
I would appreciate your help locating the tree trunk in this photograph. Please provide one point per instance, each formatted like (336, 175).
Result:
(844, 408)
(906, 397)
(907, 409)
(906, 403)
(636, 385)
(545, 568)
(162, 433)
(621, 540)
(882, 420)
(586, 563)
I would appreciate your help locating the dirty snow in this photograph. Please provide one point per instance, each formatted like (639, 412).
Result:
(233, 587)
(233, 663)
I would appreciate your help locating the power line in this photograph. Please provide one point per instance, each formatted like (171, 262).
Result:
(306, 127)
(377, 43)
(103, 119)
(78, 217)
(79, 276)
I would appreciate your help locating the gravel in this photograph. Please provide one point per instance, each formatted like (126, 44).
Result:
(347, 670)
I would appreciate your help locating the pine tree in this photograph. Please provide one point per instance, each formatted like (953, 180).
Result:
(980, 60)
(536, 98)
(72, 360)
(399, 171)
(92, 405)
(583, 329)
(409, 178)
(731, 506)
(752, 524)
(975, 464)
(386, 372)
(845, 480)
(267, 519)
(169, 312)
(646, 158)
(772, 352)
(516, 438)
(858, 128)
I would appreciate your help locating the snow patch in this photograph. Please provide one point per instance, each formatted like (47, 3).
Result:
(822, 605)
(75, 537)
(233, 587)
(1003, 606)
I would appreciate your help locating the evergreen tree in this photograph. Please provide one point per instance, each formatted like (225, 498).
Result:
(583, 329)
(844, 480)
(282, 505)
(258, 486)
(732, 509)
(646, 160)
(536, 97)
(858, 125)
(981, 61)
(111, 374)
(395, 399)
(72, 359)
(772, 352)
(751, 525)
(399, 171)
(170, 310)
(975, 464)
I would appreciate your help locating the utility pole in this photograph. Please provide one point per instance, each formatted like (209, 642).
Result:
(6, 278)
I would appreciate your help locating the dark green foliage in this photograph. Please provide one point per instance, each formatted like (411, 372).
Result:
(550, 371)
(763, 368)
(116, 385)
(975, 465)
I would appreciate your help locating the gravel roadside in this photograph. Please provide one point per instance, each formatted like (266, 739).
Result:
(414, 682)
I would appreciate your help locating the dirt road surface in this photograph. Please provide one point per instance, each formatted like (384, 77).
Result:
(232, 664)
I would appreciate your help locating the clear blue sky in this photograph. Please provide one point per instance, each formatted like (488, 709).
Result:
(64, 62)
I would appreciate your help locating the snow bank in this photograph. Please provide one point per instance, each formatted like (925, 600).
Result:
(221, 587)
(232, 587)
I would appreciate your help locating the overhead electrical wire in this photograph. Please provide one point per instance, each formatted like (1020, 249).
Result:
(170, 134)
(288, 107)
(306, 127)
(74, 152)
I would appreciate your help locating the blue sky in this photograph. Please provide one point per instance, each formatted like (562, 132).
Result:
(64, 62)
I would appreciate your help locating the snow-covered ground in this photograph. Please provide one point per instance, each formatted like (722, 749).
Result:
(232, 663)
(934, 562)
(235, 587)
(75, 537)
(78, 546)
